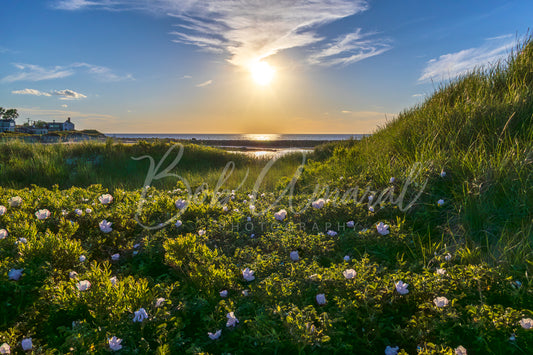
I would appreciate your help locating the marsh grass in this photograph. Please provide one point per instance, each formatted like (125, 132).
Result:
(112, 165)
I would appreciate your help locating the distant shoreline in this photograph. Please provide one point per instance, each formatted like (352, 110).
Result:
(239, 141)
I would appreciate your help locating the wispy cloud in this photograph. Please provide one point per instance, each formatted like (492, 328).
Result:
(350, 48)
(82, 4)
(30, 92)
(32, 72)
(205, 83)
(451, 65)
(69, 95)
(63, 94)
(103, 73)
(248, 31)
(5, 50)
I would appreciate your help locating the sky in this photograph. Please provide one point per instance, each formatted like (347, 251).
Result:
(191, 66)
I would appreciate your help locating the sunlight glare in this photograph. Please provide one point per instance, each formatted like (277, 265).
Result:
(262, 73)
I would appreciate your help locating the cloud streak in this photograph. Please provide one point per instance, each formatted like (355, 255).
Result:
(69, 95)
(451, 65)
(205, 83)
(63, 94)
(30, 92)
(350, 48)
(32, 72)
(249, 31)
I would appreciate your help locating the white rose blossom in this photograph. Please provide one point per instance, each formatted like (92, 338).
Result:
(114, 343)
(441, 302)
(321, 299)
(5, 349)
(215, 335)
(83, 285)
(401, 288)
(382, 229)
(180, 204)
(526, 323)
(248, 274)
(280, 215)
(294, 255)
(15, 274)
(349, 274)
(42, 214)
(232, 320)
(159, 302)
(332, 233)
(318, 204)
(26, 344)
(105, 199)
(105, 226)
(15, 201)
(140, 315)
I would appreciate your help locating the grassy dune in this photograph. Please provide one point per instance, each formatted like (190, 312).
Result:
(200, 271)
(478, 129)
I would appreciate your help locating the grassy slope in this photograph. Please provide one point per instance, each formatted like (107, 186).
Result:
(478, 129)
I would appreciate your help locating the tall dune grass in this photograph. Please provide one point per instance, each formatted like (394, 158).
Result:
(479, 130)
(112, 165)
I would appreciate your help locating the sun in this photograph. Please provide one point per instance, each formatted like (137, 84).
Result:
(262, 73)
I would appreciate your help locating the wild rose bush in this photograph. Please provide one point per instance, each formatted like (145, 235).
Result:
(163, 294)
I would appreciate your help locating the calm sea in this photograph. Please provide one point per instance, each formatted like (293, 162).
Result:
(255, 137)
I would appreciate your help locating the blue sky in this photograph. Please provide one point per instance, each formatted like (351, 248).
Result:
(169, 66)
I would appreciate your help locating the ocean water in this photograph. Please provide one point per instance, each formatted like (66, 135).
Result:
(254, 137)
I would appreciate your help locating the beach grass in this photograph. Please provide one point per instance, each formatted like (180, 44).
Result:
(116, 165)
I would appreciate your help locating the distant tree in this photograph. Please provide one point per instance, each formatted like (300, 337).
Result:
(40, 124)
(9, 113)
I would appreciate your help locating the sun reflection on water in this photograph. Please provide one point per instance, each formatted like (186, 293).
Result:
(261, 137)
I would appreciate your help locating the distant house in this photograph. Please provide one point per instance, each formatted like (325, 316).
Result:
(41, 127)
(54, 126)
(7, 125)
(67, 125)
(58, 126)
